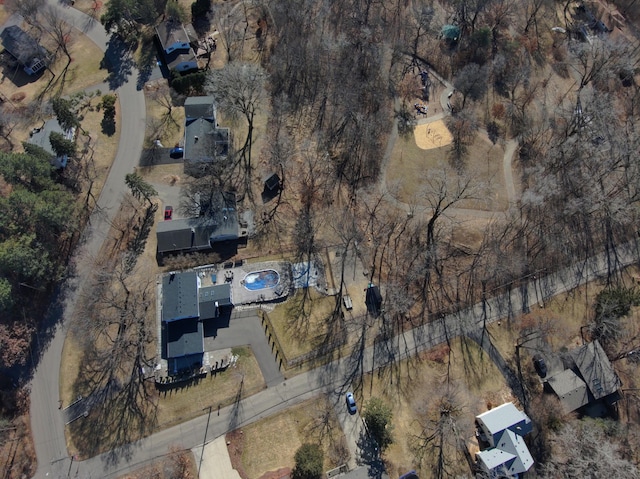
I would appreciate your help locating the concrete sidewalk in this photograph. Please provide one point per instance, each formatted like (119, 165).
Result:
(216, 463)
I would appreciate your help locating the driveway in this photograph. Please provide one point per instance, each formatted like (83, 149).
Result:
(353, 427)
(46, 419)
(245, 328)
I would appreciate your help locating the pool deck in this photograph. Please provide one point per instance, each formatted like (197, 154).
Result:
(235, 276)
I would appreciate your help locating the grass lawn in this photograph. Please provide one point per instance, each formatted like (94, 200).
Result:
(413, 392)
(409, 167)
(178, 463)
(181, 404)
(300, 333)
(169, 129)
(313, 421)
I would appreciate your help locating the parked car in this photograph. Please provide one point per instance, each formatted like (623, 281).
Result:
(351, 404)
(540, 366)
(409, 475)
(168, 213)
(176, 152)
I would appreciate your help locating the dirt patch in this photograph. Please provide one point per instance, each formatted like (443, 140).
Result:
(282, 473)
(432, 135)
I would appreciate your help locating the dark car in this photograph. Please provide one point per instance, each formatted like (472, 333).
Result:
(351, 403)
(168, 213)
(409, 475)
(540, 366)
(176, 152)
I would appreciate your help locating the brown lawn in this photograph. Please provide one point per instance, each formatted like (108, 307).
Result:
(413, 392)
(313, 421)
(410, 167)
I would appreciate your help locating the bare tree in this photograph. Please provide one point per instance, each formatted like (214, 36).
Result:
(239, 89)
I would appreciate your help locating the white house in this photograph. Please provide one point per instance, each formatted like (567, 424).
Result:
(503, 429)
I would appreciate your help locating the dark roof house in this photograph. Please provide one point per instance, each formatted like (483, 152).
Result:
(176, 46)
(201, 232)
(40, 137)
(24, 48)
(590, 380)
(203, 139)
(185, 306)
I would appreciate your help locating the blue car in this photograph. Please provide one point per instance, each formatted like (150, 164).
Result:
(351, 404)
(176, 152)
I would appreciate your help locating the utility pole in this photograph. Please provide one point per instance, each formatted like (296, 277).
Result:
(204, 442)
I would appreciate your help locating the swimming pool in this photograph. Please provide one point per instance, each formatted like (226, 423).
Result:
(268, 278)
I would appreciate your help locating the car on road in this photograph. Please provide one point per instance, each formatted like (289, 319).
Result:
(351, 404)
(540, 366)
(176, 152)
(168, 213)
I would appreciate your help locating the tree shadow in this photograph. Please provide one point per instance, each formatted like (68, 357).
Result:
(370, 455)
(118, 61)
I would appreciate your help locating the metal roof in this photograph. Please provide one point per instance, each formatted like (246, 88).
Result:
(502, 417)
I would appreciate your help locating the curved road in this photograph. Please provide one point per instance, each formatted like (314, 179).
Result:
(47, 426)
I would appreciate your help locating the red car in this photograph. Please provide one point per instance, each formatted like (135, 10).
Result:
(168, 213)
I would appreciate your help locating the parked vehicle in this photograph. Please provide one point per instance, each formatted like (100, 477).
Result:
(540, 366)
(168, 213)
(351, 404)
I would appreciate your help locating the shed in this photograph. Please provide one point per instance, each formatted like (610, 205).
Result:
(373, 300)
(272, 182)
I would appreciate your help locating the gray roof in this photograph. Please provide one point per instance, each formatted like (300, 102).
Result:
(200, 122)
(199, 107)
(570, 389)
(180, 296)
(504, 417)
(596, 370)
(196, 233)
(22, 46)
(185, 338)
(190, 234)
(210, 295)
(175, 43)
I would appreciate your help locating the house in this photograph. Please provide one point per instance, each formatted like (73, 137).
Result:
(176, 44)
(591, 380)
(502, 431)
(186, 306)
(40, 137)
(204, 141)
(25, 49)
(200, 232)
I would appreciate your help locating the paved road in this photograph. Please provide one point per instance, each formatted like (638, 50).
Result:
(335, 378)
(46, 420)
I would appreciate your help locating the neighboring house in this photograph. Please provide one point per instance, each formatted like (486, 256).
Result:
(203, 139)
(186, 306)
(25, 49)
(176, 43)
(502, 431)
(40, 137)
(201, 232)
(590, 381)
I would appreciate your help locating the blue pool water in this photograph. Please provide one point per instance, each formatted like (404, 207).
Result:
(261, 280)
